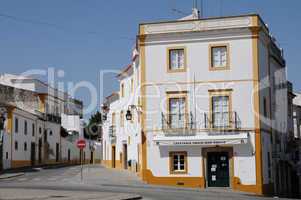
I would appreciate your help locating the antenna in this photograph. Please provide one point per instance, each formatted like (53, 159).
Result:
(202, 5)
(194, 4)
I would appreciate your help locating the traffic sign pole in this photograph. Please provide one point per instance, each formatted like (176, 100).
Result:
(81, 162)
(81, 144)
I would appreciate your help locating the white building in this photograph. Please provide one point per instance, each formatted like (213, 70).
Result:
(209, 102)
(296, 152)
(36, 114)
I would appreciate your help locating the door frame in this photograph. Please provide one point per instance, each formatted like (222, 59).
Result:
(229, 150)
(113, 152)
(125, 156)
(33, 153)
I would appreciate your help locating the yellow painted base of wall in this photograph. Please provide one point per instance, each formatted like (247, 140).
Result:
(191, 182)
(108, 164)
(20, 163)
(266, 189)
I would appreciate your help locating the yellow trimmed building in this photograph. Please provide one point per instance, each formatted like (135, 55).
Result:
(202, 104)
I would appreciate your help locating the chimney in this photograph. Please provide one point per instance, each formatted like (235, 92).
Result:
(195, 13)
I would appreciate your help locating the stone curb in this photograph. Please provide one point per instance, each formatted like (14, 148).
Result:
(7, 176)
(132, 198)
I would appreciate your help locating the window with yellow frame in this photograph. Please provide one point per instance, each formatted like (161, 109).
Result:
(178, 163)
(177, 115)
(219, 57)
(220, 109)
(122, 90)
(176, 59)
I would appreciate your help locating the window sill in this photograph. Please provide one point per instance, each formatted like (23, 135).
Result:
(219, 68)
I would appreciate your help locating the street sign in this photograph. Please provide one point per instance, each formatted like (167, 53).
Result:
(81, 144)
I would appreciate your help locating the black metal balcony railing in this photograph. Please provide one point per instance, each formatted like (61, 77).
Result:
(211, 121)
(54, 118)
(177, 121)
(221, 120)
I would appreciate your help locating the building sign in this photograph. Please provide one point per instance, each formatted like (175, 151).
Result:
(204, 142)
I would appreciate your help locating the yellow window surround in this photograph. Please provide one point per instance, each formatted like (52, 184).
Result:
(216, 93)
(214, 68)
(168, 59)
(171, 163)
(176, 95)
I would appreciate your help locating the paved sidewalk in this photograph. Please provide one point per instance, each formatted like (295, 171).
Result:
(98, 175)
(27, 194)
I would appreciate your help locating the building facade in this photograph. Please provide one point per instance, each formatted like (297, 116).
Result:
(208, 107)
(35, 117)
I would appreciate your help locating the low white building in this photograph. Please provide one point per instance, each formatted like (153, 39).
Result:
(35, 116)
(207, 101)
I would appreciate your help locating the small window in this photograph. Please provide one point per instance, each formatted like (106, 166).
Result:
(219, 57)
(25, 127)
(178, 162)
(132, 85)
(40, 130)
(121, 119)
(16, 125)
(176, 59)
(265, 112)
(122, 90)
(6, 155)
(25, 146)
(33, 129)
(50, 133)
(16, 145)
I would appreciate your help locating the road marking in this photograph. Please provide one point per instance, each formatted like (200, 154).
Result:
(22, 179)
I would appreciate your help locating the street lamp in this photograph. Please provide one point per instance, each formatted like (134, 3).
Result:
(105, 109)
(129, 114)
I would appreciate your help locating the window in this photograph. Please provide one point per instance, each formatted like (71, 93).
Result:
(113, 119)
(176, 113)
(25, 127)
(16, 145)
(290, 107)
(220, 112)
(269, 166)
(176, 59)
(122, 90)
(6, 155)
(121, 119)
(16, 125)
(50, 133)
(25, 146)
(265, 112)
(178, 162)
(219, 57)
(132, 85)
(33, 130)
(40, 130)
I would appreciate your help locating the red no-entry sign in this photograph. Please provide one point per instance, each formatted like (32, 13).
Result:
(81, 144)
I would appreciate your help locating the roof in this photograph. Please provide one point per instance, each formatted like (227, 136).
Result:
(125, 70)
(207, 18)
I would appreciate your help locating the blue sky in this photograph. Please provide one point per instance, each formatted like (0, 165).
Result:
(83, 37)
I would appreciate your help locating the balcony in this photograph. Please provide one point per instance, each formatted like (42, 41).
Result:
(112, 134)
(222, 121)
(188, 124)
(53, 118)
(178, 122)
